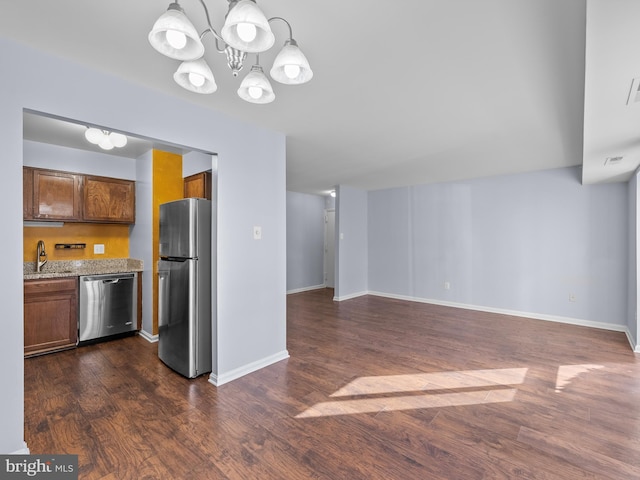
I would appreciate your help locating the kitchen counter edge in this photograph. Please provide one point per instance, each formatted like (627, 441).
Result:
(91, 267)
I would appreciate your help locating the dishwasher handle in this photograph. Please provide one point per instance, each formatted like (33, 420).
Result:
(107, 277)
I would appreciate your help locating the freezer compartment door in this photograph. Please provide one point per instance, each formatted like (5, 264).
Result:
(180, 332)
(185, 227)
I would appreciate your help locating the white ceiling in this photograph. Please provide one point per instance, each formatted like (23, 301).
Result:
(403, 93)
(611, 127)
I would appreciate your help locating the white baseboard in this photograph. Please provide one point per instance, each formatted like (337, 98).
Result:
(632, 341)
(148, 337)
(23, 451)
(306, 289)
(218, 380)
(350, 296)
(514, 313)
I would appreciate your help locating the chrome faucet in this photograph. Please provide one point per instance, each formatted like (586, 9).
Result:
(41, 253)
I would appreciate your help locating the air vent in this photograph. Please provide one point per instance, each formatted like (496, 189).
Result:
(613, 160)
(634, 92)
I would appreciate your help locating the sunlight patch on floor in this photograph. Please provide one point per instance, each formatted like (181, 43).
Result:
(432, 381)
(491, 385)
(566, 374)
(410, 402)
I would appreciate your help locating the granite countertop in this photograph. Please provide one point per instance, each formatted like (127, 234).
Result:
(74, 268)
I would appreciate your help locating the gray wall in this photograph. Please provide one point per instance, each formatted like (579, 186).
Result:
(196, 162)
(305, 241)
(251, 307)
(632, 310)
(141, 237)
(330, 202)
(522, 243)
(55, 157)
(351, 245)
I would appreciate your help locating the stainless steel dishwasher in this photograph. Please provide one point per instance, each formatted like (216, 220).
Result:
(108, 305)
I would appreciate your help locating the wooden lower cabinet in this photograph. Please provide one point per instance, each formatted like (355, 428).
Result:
(50, 315)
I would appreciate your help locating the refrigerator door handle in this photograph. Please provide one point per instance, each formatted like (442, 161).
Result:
(163, 298)
(176, 259)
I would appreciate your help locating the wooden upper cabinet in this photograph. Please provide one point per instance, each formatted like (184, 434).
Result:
(109, 200)
(198, 186)
(56, 195)
(27, 193)
(73, 197)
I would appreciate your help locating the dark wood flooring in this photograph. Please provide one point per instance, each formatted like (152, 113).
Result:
(375, 389)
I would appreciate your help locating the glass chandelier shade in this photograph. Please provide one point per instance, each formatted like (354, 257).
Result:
(174, 36)
(291, 66)
(196, 76)
(246, 28)
(255, 87)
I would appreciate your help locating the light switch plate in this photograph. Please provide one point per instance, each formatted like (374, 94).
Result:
(257, 233)
(98, 248)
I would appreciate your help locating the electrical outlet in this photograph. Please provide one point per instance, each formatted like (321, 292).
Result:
(447, 285)
(572, 297)
(98, 248)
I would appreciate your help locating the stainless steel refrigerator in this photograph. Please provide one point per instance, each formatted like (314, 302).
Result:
(185, 286)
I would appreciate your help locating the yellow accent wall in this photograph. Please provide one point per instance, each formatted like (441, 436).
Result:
(167, 185)
(115, 239)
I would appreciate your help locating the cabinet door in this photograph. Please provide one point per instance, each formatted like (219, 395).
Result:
(198, 186)
(27, 193)
(50, 315)
(139, 310)
(56, 195)
(109, 200)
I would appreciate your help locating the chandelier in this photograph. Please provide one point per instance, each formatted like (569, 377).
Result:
(246, 30)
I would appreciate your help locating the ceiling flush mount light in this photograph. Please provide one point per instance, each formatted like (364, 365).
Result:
(104, 139)
(246, 30)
